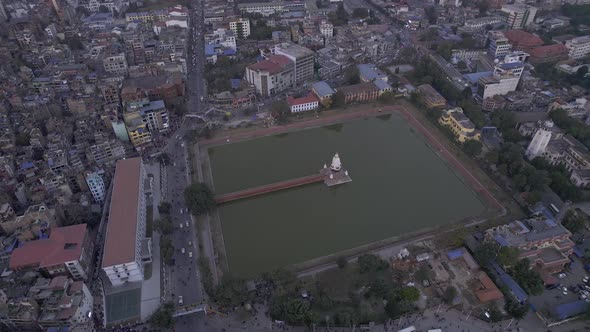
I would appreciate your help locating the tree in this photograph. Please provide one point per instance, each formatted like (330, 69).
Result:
(166, 249)
(291, 310)
(280, 110)
(530, 280)
(22, 139)
(483, 7)
(165, 208)
(409, 294)
(423, 273)
(199, 198)
(351, 76)
(449, 295)
(371, 263)
(346, 317)
(507, 256)
(338, 99)
(533, 197)
(387, 97)
(163, 317)
(360, 12)
(582, 71)
(231, 292)
(492, 157)
(516, 309)
(574, 221)
(164, 225)
(341, 262)
(472, 147)
(486, 252)
(103, 9)
(164, 158)
(75, 43)
(431, 14)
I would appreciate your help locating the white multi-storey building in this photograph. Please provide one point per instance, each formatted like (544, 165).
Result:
(505, 77)
(126, 249)
(303, 58)
(263, 8)
(327, 29)
(115, 64)
(272, 75)
(307, 103)
(240, 27)
(498, 45)
(540, 140)
(578, 47)
(96, 186)
(519, 16)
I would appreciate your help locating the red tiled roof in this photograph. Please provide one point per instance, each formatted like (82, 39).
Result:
(51, 251)
(523, 38)
(489, 291)
(310, 98)
(274, 64)
(119, 245)
(548, 50)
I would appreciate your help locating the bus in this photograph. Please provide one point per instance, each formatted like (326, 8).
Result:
(553, 209)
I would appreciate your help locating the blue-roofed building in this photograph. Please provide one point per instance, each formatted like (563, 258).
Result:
(510, 283)
(382, 86)
(569, 310)
(323, 90)
(545, 242)
(369, 72)
(235, 83)
(455, 254)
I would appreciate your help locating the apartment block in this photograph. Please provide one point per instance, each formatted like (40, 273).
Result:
(579, 47)
(302, 57)
(275, 74)
(240, 27)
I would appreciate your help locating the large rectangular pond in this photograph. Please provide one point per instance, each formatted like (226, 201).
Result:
(399, 185)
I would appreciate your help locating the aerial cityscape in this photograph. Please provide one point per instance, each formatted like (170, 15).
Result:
(294, 165)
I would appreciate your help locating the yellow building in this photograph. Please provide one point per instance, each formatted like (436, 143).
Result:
(137, 129)
(459, 124)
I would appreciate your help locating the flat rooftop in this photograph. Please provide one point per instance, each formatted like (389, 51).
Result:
(119, 246)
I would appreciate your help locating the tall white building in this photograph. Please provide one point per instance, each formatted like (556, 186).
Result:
(303, 58)
(240, 27)
(505, 77)
(519, 16)
(498, 45)
(115, 64)
(126, 249)
(272, 75)
(327, 29)
(96, 186)
(578, 47)
(540, 140)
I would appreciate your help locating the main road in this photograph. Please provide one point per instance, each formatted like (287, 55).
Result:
(184, 279)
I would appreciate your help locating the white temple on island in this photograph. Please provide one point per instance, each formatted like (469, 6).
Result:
(336, 165)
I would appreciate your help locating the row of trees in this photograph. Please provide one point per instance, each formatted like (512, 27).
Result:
(165, 227)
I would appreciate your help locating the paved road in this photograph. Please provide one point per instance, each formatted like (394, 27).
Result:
(185, 279)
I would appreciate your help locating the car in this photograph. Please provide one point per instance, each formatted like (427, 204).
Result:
(187, 224)
(181, 226)
(182, 250)
(190, 243)
(561, 275)
(190, 254)
(181, 211)
(565, 291)
(180, 301)
(585, 279)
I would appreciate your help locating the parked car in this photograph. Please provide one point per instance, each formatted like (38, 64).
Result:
(180, 301)
(561, 275)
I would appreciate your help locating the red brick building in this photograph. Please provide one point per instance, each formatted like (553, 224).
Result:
(163, 87)
(548, 54)
(522, 40)
(359, 92)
